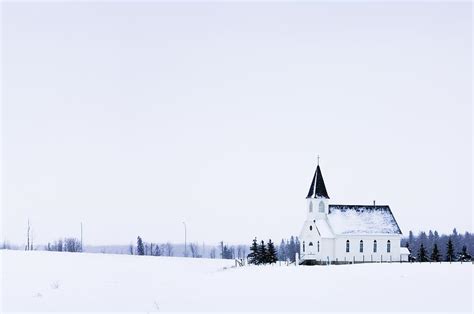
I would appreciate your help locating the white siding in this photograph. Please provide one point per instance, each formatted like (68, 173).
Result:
(368, 254)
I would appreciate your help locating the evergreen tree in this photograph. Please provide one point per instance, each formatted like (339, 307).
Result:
(436, 236)
(297, 246)
(411, 239)
(422, 254)
(422, 239)
(271, 253)
(435, 256)
(140, 247)
(456, 241)
(291, 249)
(227, 253)
(450, 251)
(468, 240)
(429, 247)
(253, 255)
(464, 256)
(282, 251)
(262, 253)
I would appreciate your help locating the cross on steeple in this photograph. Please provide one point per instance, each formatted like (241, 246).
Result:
(318, 160)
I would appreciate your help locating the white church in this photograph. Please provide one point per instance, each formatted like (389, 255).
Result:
(334, 234)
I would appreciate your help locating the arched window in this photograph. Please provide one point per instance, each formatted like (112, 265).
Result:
(303, 246)
(347, 246)
(375, 246)
(318, 246)
(361, 246)
(310, 207)
(310, 228)
(321, 207)
(388, 246)
(310, 243)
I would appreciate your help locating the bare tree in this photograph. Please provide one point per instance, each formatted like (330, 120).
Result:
(27, 248)
(168, 249)
(158, 251)
(212, 254)
(32, 236)
(57, 245)
(131, 248)
(194, 249)
(241, 251)
(72, 245)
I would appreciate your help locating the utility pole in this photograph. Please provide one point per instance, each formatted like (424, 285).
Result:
(185, 246)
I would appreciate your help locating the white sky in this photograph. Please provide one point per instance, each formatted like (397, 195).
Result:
(135, 117)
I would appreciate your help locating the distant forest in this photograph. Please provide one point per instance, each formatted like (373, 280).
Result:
(432, 238)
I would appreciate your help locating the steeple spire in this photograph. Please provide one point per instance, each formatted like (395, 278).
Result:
(317, 188)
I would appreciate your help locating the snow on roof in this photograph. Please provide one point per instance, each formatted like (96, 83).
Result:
(404, 251)
(362, 219)
(324, 229)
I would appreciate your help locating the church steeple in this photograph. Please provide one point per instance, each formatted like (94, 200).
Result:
(317, 188)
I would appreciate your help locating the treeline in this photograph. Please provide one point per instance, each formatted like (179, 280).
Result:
(433, 247)
(152, 249)
(223, 250)
(261, 253)
(288, 249)
(64, 245)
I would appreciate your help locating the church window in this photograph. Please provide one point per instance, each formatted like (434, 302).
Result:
(303, 246)
(375, 246)
(321, 207)
(388, 246)
(310, 207)
(347, 246)
(318, 246)
(310, 243)
(310, 228)
(361, 246)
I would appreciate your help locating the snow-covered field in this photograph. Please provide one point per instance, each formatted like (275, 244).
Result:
(52, 281)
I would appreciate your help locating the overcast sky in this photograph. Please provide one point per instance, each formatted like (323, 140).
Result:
(133, 118)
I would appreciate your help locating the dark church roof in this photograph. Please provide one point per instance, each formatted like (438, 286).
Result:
(317, 189)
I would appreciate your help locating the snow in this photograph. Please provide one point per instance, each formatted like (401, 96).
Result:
(323, 228)
(404, 251)
(362, 220)
(52, 281)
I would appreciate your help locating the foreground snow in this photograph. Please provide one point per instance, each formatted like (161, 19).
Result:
(52, 281)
